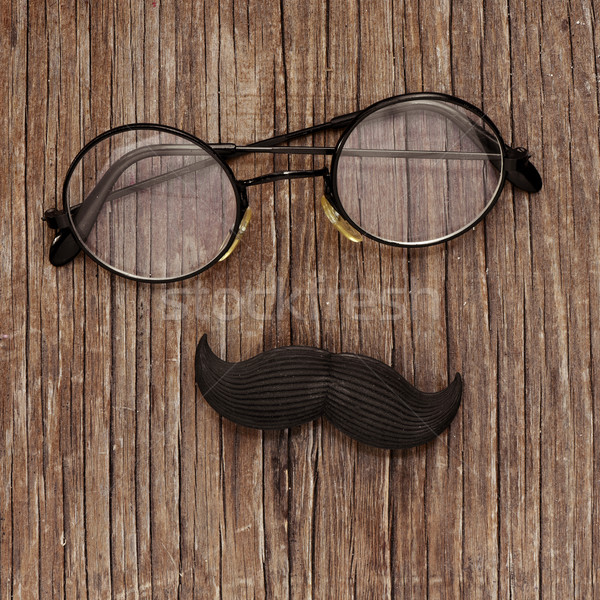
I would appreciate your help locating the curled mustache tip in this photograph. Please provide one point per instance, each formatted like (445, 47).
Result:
(363, 397)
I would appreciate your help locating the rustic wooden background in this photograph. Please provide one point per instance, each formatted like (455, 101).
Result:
(117, 480)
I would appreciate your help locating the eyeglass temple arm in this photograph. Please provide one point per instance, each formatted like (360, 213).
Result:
(519, 170)
(339, 122)
(65, 247)
(517, 166)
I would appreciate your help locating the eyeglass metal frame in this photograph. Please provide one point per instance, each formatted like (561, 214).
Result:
(514, 165)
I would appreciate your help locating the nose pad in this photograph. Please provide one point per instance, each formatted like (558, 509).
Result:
(241, 230)
(339, 222)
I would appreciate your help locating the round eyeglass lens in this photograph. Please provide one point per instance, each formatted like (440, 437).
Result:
(151, 204)
(419, 171)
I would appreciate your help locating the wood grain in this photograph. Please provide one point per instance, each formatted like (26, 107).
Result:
(117, 480)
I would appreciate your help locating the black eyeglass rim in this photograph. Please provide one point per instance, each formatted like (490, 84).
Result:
(332, 180)
(239, 191)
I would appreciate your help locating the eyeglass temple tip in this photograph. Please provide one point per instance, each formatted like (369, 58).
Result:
(64, 248)
(521, 171)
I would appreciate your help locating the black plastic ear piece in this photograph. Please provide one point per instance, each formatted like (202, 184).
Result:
(64, 248)
(521, 172)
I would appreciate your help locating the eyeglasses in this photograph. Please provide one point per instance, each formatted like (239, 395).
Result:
(157, 204)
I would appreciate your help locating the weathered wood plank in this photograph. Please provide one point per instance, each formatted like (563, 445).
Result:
(96, 336)
(590, 10)
(475, 43)
(44, 373)
(333, 563)
(68, 110)
(584, 250)
(554, 265)
(118, 480)
(23, 436)
(509, 260)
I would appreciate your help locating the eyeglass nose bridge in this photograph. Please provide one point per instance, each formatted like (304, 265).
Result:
(281, 175)
(334, 217)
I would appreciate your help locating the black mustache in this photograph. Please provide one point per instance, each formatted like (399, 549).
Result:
(363, 397)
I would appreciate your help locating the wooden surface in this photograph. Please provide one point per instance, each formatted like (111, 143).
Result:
(117, 480)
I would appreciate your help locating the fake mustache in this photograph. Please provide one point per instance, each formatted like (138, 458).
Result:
(363, 397)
